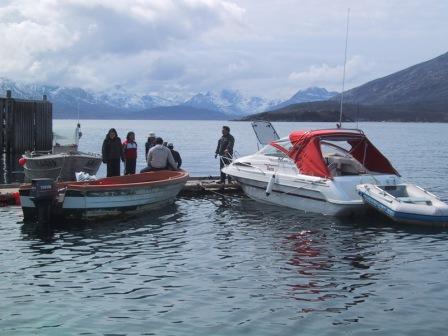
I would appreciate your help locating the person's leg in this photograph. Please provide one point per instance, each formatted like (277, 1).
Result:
(227, 161)
(116, 167)
(109, 168)
(145, 170)
(221, 165)
(132, 165)
(126, 167)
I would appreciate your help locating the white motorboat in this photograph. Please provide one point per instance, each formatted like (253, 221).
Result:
(405, 203)
(314, 171)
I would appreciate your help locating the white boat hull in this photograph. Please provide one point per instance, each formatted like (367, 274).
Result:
(118, 202)
(304, 200)
(336, 197)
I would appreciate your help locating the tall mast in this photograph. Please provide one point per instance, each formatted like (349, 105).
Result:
(345, 63)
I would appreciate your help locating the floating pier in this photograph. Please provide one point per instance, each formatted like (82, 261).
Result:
(199, 186)
(195, 187)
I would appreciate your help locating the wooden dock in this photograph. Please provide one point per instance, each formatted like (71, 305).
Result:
(195, 187)
(199, 186)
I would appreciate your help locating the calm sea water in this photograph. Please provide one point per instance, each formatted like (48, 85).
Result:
(230, 266)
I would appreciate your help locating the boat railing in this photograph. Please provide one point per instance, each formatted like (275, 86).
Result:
(357, 130)
(238, 165)
(426, 192)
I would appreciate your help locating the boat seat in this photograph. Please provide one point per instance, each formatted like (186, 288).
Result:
(414, 199)
(340, 165)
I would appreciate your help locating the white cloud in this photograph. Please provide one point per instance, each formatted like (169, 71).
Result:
(72, 35)
(331, 76)
(261, 47)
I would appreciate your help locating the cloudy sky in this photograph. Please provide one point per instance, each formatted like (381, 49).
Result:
(269, 48)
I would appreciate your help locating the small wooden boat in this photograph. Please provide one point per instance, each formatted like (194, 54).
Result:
(60, 165)
(405, 203)
(105, 197)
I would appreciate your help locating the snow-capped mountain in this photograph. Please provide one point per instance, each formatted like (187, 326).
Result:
(230, 102)
(118, 103)
(310, 94)
(67, 100)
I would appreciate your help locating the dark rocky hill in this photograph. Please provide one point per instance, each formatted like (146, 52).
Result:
(328, 111)
(417, 93)
(427, 81)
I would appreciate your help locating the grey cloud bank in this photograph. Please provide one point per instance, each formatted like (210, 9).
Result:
(167, 47)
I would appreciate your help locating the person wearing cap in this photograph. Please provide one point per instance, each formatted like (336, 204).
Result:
(159, 158)
(225, 151)
(176, 155)
(151, 142)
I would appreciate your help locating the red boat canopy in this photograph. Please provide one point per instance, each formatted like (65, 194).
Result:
(306, 151)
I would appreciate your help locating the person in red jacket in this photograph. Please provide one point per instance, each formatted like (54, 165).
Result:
(130, 154)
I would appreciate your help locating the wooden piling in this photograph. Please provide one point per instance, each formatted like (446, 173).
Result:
(26, 125)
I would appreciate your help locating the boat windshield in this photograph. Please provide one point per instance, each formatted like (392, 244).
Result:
(339, 160)
(340, 148)
(270, 150)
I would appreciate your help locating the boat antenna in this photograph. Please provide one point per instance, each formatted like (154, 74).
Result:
(78, 109)
(343, 75)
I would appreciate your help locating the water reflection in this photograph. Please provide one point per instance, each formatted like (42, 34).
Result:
(220, 266)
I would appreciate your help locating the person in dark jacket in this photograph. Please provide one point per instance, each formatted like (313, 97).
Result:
(130, 154)
(112, 153)
(225, 151)
(151, 142)
(176, 155)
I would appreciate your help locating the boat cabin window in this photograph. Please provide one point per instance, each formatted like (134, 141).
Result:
(270, 150)
(339, 160)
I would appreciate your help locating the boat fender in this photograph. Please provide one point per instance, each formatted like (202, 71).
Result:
(22, 161)
(270, 185)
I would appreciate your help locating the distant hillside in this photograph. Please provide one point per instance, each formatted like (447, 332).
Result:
(424, 82)
(310, 94)
(328, 111)
(418, 93)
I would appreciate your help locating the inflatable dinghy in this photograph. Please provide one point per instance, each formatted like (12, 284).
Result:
(405, 203)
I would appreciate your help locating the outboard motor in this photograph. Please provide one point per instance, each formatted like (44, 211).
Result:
(44, 193)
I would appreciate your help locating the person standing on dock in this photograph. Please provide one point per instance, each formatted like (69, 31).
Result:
(176, 155)
(225, 151)
(130, 154)
(151, 142)
(112, 153)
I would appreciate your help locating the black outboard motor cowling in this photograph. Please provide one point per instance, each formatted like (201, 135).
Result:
(44, 193)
